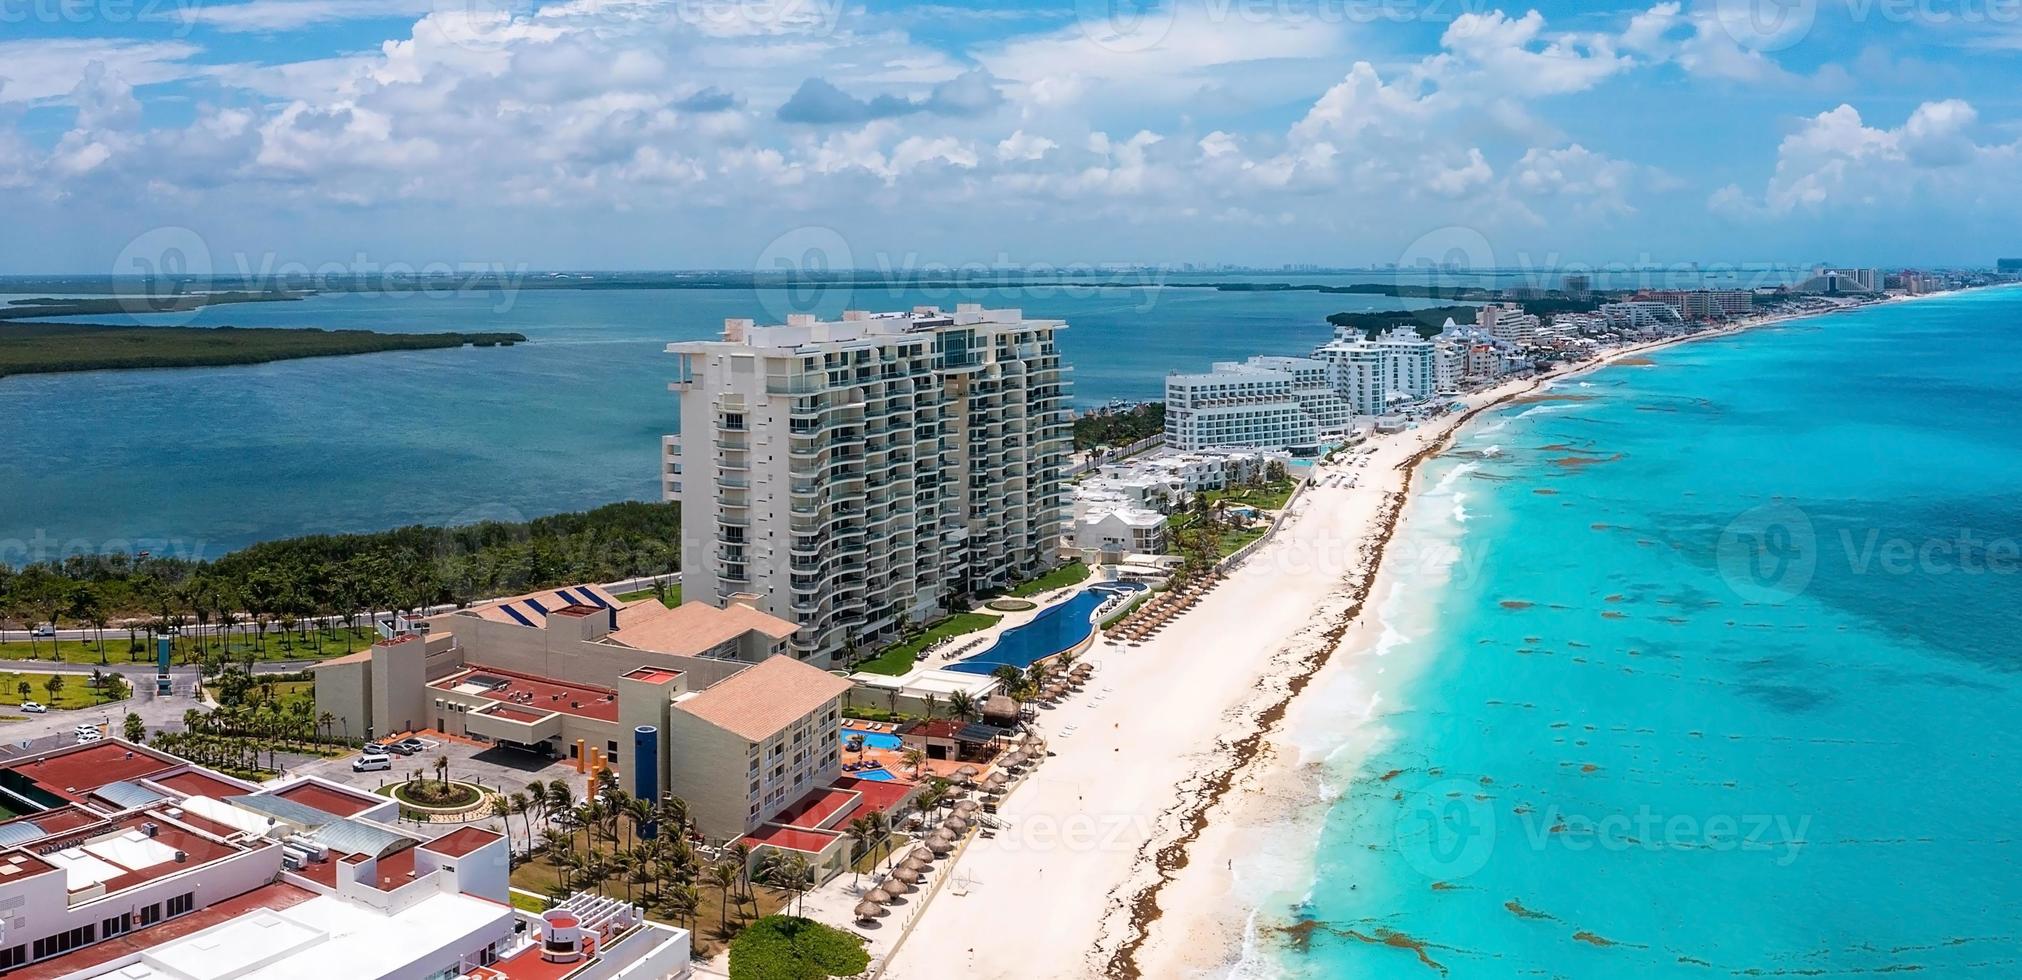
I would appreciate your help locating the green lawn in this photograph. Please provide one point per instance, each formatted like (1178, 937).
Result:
(673, 596)
(1072, 573)
(76, 693)
(1271, 497)
(318, 645)
(899, 658)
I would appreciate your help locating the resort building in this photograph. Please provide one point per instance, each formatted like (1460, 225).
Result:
(1508, 323)
(127, 863)
(695, 701)
(1376, 375)
(1705, 304)
(851, 476)
(1642, 317)
(1108, 534)
(1266, 402)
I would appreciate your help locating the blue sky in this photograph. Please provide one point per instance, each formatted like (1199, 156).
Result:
(730, 133)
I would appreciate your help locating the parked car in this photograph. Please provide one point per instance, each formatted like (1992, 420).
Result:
(409, 746)
(372, 763)
(33, 707)
(88, 733)
(46, 629)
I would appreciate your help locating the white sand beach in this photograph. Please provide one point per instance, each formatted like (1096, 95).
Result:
(1158, 763)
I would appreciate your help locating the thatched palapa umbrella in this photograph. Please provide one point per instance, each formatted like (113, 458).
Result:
(907, 875)
(955, 823)
(967, 807)
(940, 846)
(915, 865)
(920, 853)
(866, 911)
(878, 895)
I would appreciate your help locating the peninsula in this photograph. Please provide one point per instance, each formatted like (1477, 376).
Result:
(45, 348)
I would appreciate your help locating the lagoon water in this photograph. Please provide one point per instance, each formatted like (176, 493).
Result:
(1708, 669)
(201, 461)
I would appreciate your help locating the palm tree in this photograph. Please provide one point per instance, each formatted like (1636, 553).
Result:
(723, 875)
(740, 854)
(442, 771)
(556, 843)
(525, 806)
(686, 901)
(502, 808)
(914, 759)
(324, 723)
(961, 706)
(862, 836)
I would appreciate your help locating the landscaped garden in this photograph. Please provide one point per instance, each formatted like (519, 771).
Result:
(63, 690)
(1011, 605)
(899, 657)
(600, 845)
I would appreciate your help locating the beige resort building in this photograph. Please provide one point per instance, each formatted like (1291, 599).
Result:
(701, 694)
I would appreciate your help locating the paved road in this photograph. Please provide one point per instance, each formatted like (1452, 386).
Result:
(159, 713)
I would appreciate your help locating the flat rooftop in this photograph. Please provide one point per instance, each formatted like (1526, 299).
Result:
(323, 938)
(460, 842)
(329, 799)
(532, 693)
(124, 853)
(73, 773)
(275, 896)
(791, 838)
(652, 675)
(196, 783)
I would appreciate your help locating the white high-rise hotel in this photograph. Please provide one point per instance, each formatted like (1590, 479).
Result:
(853, 475)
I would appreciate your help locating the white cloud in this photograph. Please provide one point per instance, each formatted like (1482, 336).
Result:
(1836, 160)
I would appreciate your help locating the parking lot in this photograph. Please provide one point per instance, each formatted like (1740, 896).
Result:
(486, 765)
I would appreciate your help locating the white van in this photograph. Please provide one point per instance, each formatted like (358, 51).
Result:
(372, 763)
(88, 733)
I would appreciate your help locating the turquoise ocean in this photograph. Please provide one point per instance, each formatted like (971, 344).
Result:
(1701, 668)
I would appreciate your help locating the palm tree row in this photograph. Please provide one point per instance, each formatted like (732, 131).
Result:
(613, 838)
(329, 579)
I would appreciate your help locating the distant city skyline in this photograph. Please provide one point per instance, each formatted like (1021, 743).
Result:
(732, 134)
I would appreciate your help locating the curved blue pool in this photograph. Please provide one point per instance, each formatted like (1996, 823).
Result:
(1061, 627)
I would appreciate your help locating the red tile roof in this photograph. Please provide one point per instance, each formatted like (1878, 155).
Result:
(461, 842)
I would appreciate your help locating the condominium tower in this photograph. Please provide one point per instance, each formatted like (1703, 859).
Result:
(853, 475)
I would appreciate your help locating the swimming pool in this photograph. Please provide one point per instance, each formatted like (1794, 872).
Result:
(875, 774)
(872, 740)
(1060, 628)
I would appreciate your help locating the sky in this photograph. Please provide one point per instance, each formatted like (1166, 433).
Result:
(366, 135)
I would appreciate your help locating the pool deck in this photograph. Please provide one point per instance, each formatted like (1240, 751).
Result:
(890, 759)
